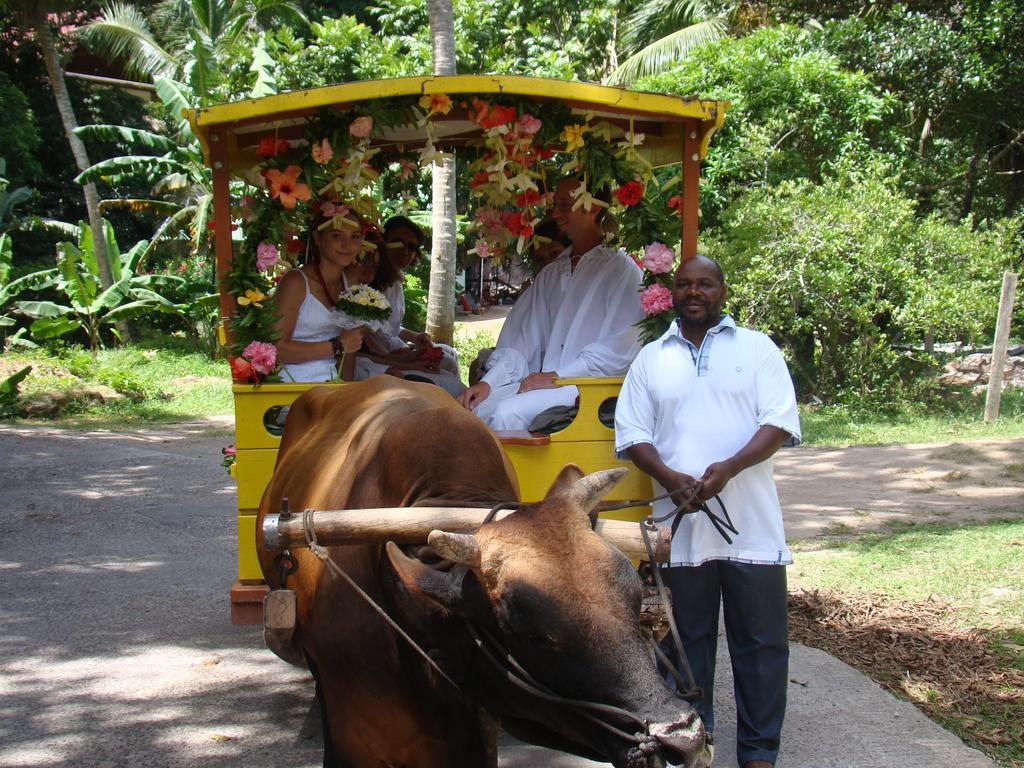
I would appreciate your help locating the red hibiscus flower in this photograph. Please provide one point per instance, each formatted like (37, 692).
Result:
(242, 371)
(529, 197)
(630, 193)
(517, 223)
(480, 177)
(269, 146)
(499, 116)
(676, 202)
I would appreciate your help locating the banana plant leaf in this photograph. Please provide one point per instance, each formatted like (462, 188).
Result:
(42, 309)
(81, 288)
(116, 168)
(53, 327)
(121, 133)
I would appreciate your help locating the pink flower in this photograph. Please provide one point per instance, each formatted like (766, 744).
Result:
(262, 355)
(361, 127)
(329, 210)
(266, 256)
(489, 221)
(228, 450)
(245, 210)
(655, 299)
(483, 250)
(322, 151)
(658, 258)
(529, 125)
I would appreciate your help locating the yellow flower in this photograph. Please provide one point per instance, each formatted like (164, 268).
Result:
(439, 103)
(252, 296)
(572, 135)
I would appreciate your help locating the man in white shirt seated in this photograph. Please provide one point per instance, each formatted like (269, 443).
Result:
(714, 401)
(579, 318)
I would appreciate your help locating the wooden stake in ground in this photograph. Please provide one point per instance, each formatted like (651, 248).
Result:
(995, 376)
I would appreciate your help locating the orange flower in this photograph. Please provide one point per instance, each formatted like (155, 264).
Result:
(285, 186)
(439, 103)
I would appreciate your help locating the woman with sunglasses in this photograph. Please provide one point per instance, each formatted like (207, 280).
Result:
(403, 245)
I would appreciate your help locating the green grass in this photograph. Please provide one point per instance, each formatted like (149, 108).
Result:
(923, 560)
(836, 427)
(170, 383)
(468, 343)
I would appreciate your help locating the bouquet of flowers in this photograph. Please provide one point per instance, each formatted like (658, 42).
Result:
(365, 303)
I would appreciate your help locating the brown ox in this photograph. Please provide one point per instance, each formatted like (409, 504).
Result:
(554, 594)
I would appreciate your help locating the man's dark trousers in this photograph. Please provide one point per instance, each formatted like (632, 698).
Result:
(754, 603)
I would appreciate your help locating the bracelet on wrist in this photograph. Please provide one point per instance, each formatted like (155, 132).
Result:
(337, 349)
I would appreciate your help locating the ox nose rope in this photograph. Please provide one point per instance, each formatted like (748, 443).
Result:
(645, 746)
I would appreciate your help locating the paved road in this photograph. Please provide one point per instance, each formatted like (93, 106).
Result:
(116, 552)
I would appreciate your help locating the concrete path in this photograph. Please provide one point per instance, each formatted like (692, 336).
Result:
(116, 552)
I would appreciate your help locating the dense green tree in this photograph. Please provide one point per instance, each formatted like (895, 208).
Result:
(796, 112)
(958, 69)
(194, 36)
(852, 283)
(37, 17)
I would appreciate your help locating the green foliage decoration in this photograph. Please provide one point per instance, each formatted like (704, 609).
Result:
(335, 175)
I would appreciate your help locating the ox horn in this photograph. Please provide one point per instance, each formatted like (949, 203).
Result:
(462, 548)
(589, 490)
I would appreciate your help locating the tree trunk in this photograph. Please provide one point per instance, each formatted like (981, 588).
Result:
(441, 297)
(67, 115)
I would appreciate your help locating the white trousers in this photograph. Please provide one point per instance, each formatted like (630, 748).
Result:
(451, 383)
(505, 409)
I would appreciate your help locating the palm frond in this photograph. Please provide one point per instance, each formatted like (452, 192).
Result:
(117, 168)
(263, 65)
(122, 32)
(164, 231)
(659, 55)
(136, 205)
(121, 133)
(39, 224)
(655, 19)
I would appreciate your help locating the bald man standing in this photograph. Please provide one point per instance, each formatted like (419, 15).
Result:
(714, 401)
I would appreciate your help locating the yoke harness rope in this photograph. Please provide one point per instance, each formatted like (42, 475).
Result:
(644, 745)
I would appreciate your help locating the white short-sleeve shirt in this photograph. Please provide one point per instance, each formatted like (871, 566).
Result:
(699, 406)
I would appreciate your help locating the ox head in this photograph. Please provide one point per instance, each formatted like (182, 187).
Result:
(539, 590)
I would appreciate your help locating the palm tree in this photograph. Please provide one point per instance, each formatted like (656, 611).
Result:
(35, 15)
(675, 27)
(440, 307)
(196, 35)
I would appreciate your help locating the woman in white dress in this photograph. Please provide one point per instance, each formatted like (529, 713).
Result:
(311, 347)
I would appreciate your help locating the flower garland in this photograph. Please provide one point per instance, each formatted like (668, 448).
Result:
(524, 147)
(331, 176)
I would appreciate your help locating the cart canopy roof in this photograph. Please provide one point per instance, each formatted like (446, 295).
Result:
(662, 118)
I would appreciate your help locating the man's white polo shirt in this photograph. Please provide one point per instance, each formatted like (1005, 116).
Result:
(699, 406)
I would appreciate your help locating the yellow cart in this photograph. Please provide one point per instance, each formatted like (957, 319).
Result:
(676, 130)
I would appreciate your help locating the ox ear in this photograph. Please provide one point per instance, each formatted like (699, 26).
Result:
(567, 478)
(586, 492)
(443, 588)
(460, 548)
